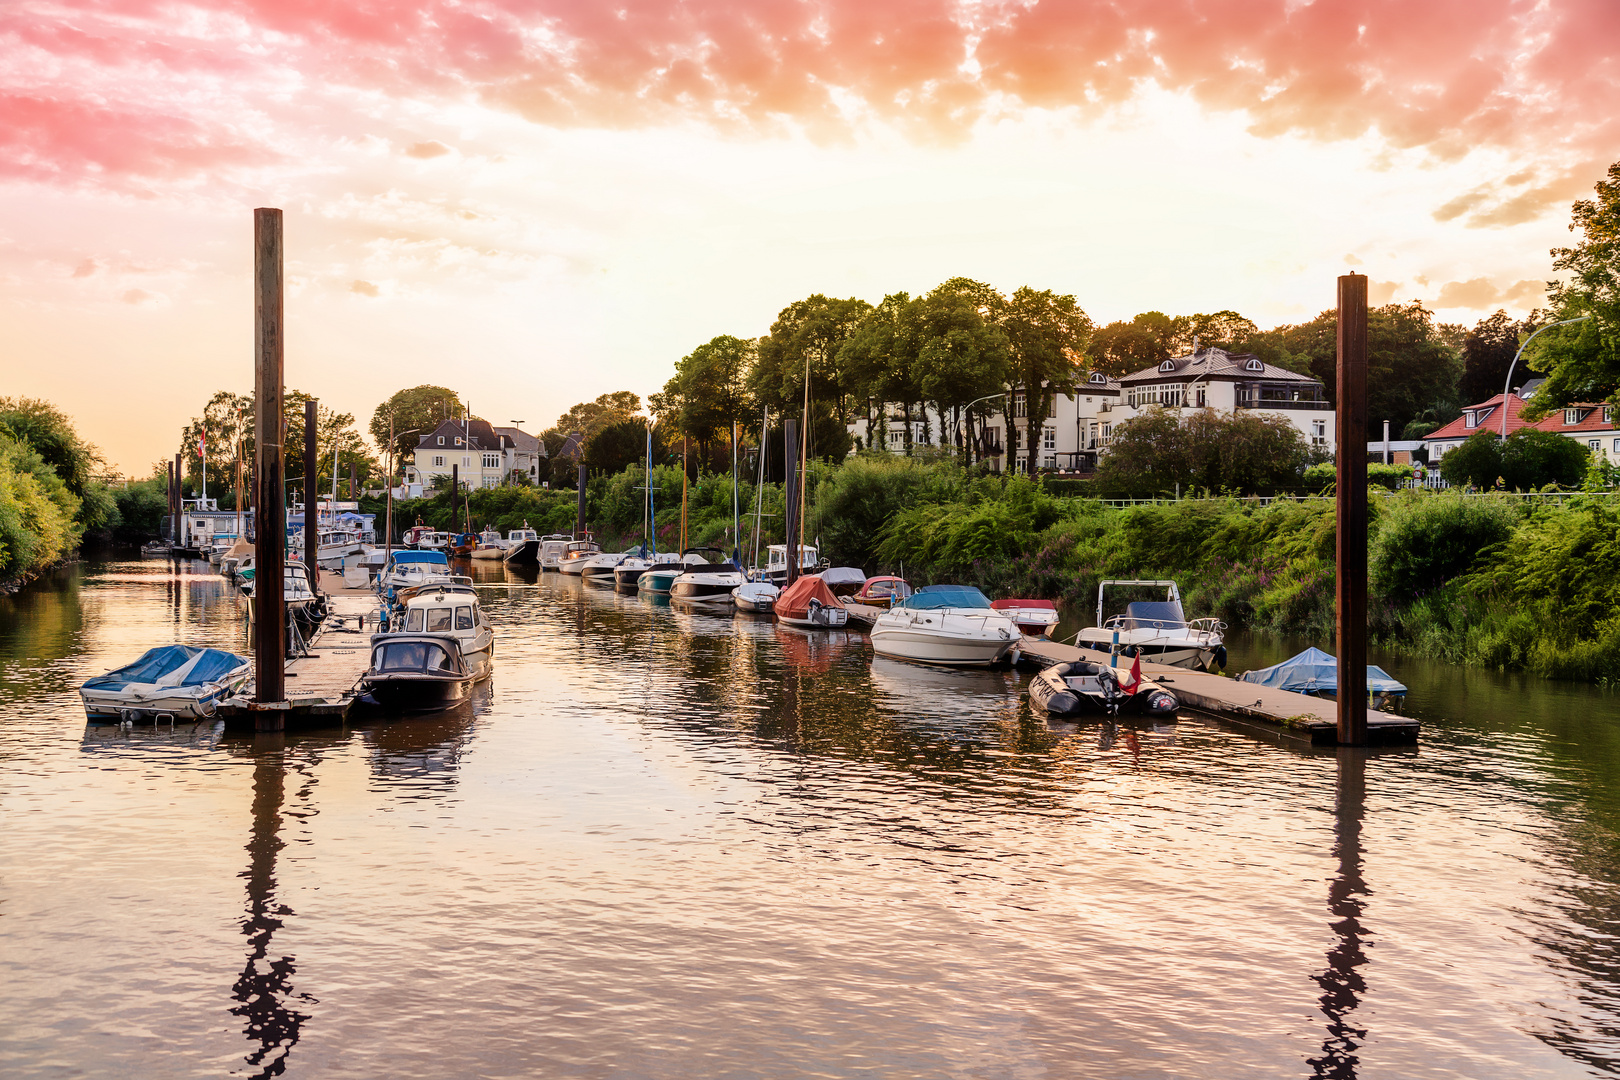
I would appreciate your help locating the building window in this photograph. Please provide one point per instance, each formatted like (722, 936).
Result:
(1051, 407)
(1318, 432)
(1168, 365)
(492, 461)
(458, 440)
(1049, 438)
(1572, 416)
(1254, 364)
(1468, 418)
(1608, 414)
(1203, 396)
(1594, 444)
(438, 459)
(1617, 446)
(1107, 434)
(441, 440)
(1020, 407)
(897, 437)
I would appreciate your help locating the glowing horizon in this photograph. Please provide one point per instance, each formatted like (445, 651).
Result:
(540, 202)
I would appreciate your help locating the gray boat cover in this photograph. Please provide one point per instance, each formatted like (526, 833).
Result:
(1315, 670)
(842, 575)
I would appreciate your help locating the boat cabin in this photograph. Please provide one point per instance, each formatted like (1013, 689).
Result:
(417, 655)
(883, 591)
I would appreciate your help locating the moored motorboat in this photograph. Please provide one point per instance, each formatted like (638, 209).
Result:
(416, 672)
(710, 581)
(1158, 631)
(882, 592)
(409, 569)
(1034, 618)
(549, 549)
(660, 578)
(776, 563)
(1316, 672)
(574, 557)
(758, 597)
(490, 545)
(842, 581)
(946, 624)
(600, 570)
(452, 608)
(808, 603)
(170, 681)
(1085, 687)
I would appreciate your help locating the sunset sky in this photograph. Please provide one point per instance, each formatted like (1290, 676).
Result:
(538, 201)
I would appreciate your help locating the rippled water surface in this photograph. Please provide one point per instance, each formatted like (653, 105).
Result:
(665, 844)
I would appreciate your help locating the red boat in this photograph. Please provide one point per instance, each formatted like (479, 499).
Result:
(1034, 618)
(810, 604)
(882, 592)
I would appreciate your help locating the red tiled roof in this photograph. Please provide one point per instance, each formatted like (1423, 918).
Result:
(1591, 419)
(1459, 429)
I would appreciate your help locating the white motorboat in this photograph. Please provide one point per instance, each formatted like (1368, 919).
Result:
(411, 569)
(550, 549)
(171, 681)
(522, 546)
(946, 624)
(710, 581)
(1035, 618)
(576, 555)
(1157, 631)
(490, 545)
(297, 592)
(451, 608)
(332, 546)
(776, 563)
(600, 570)
(756, 596)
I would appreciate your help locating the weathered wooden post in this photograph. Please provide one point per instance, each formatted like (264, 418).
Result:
(270, 506)
(179, 501)
(1351, 541)
(579, 514)
(455, 492)
(311, 538)
(172, 502)
(790, 478)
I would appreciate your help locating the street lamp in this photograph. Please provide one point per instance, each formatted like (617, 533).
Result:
(1509, 381)
(969, 406)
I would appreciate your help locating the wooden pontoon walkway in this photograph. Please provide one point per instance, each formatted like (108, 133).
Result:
(1297, 715)
(322, 685)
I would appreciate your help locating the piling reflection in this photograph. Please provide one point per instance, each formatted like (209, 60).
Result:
(1343, 985)
(267, 1001)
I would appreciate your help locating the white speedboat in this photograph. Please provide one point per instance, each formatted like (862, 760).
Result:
(756, 596)
(451, 608)
(1157, 631)
(171, 681)
(410, 569)
(1035, 618)
(946, 624)
(576, 555)
(710, 581)
(599, 571)
(548, 550)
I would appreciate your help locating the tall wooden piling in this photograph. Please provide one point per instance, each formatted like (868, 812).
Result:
(790, 462)
(311, 538)
(1351, 542)
(174, 503)
(270, 534)
(579, 513)
(179, 501)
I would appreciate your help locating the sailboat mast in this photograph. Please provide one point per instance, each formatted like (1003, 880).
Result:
(647, 510)
(683, 494)
(736, 527)
(804, 452)
(759, 484)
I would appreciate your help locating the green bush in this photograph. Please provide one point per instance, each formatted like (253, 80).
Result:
(1425, 540)
(38, 513)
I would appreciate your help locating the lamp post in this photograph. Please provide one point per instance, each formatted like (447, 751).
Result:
(1509, 380)
(966, 409)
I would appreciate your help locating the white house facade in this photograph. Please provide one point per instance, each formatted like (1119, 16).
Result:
(1080, 426)
(480, 455)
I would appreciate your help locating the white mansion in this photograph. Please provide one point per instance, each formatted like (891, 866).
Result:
(1078, 427)
(482, 456)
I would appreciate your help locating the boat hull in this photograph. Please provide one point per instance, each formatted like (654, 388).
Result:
(705, 588)
(1194, 656)
(525, 554)
(657, 581)
(417, 692)
(945, 638)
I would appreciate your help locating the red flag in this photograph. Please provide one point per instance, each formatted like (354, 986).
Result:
(202, 447)
(1133, 678)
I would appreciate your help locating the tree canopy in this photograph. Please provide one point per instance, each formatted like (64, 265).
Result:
(1046, 341)
(1245, 453)
(1488, 351)
(807, 333)
(1582, 361)
(414, 412)
(51, 435)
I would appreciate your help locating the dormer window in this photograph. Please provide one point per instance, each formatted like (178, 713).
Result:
(1572, 416)
(1470, 419)
(1168, 365)
(1254, 364)
(1099, 379)
(1608, 414)
(458, 440)
(441, 440)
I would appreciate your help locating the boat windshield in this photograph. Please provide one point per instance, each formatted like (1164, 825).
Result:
(1155, 615)
(893, 589)
(934, 597)
(412, 656)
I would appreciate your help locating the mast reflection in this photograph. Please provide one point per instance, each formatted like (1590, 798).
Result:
(1342, 983)
(264, 988)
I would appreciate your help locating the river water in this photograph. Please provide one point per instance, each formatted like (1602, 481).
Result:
(661, 844)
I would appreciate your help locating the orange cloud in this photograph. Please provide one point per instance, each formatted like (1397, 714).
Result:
(101, 88)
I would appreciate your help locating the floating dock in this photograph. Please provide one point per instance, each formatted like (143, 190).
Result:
(323, 683)
(1300, 716)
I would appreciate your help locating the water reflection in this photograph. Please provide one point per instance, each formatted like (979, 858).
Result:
(1343, 985)
(269, 1005)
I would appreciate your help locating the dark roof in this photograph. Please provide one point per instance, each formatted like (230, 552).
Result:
(1215, 364)
(1097, 383)
(480, 436)
(522, 441)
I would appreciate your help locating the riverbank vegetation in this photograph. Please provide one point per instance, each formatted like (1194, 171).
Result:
(49, 494)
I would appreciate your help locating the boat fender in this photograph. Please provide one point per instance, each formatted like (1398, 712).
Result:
(1220, 657)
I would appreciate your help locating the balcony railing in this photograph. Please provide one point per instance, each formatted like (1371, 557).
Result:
(1282, 403)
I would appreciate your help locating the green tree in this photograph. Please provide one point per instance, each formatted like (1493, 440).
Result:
(1487, 351)
(1247, 453)
(37, 512)
(880, 362)
(964, 354)
(224, 429)
(1046, 341)
(51, 434)
(1582, 361)
(709, 391)
(1529, 460)
(807, 334)
(414, 412)
(332, 429)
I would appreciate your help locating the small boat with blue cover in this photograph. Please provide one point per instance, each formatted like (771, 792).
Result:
(169, 682)
(1316, 672)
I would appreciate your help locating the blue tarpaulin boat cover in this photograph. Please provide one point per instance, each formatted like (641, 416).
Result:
(421, 557)
(1314, 671)
(171, 665)
(934, 597)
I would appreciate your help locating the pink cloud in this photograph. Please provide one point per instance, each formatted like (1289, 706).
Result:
(113, 80)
